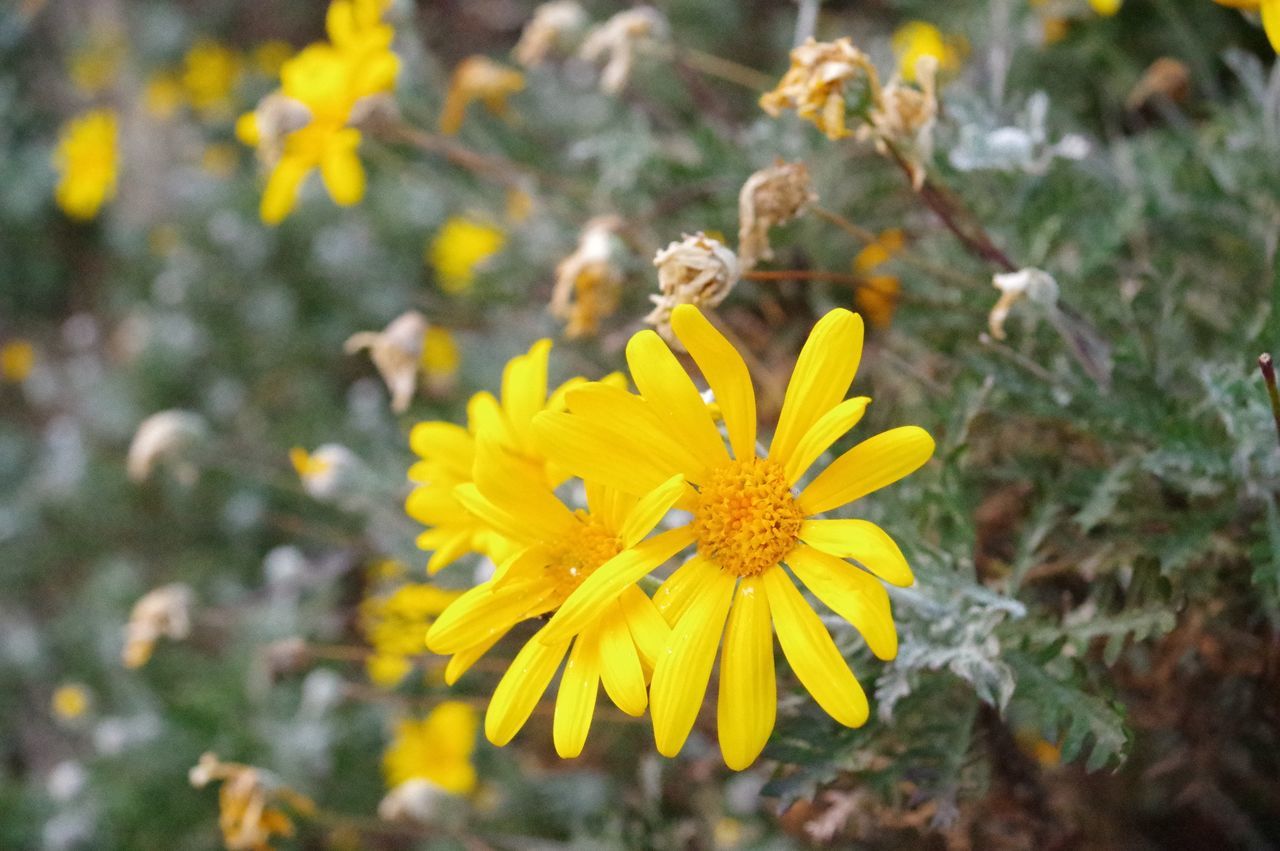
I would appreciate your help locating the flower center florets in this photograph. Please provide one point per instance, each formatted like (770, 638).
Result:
(578, 555)
(746, 518)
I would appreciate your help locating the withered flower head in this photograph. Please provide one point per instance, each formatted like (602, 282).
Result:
(276, 116)
(697, 270)
(478, 78)
(245, 812)
(588, 281)
(826, 80)
(904, 116)
(396, 351)
(617, 40)
(163, 612)
(772, 196)
(552, 25)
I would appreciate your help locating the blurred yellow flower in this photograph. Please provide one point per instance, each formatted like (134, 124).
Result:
(270, 56)
(459, 248)
(395, 626)
(478, 78)
(440, 359)
(437, 749)
(210, 71)
(1106, 8)
(746, 522)
(245, 812)
(332, 83)
(307, 465)
(163, 95)
(70, 701)
(915, 39)
(87, 161)
(877, 294)
(1270, 12)
(17, 359)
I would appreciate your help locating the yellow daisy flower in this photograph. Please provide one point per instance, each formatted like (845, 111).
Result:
(395, 625)
(461, 247)
(747, 521)
(210, 71)
(556, 549)
(88, 161)
(1268, 9)
(17, 359)
(448, 452)
(437, 749)
(916, 39)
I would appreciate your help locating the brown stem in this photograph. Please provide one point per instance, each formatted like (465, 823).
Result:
(500, 170)
(803, 275)
(945, 206)
(1269, 378)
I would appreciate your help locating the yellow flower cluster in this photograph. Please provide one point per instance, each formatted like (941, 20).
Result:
(436, 749)
(459, 249)
(753, 528)
(88, 162)
(311, 122)
(396, 624)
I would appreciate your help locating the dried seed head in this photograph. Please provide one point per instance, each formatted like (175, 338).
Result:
(163, 612)
(825, 79)
(396, 351)
(478, 78)
(904, 116)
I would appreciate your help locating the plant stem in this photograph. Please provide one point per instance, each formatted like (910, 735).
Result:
(1269, 377)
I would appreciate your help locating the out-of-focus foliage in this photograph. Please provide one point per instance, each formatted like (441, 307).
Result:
(1089, 655)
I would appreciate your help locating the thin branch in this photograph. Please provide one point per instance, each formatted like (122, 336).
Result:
(1269, 378)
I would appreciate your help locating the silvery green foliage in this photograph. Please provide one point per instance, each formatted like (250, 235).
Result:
(952, 626)
(984, 143)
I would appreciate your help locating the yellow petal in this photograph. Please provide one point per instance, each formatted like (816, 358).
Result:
(821, 377)
(462, 661)
(485, 416)
(520, 688)
(649, 631)
(484, 510)
(524, 390)
(281, 193)
(829, 428)
(620, 665)
(448, 551)
(748, 701)
(811, 652)
(588, 450)
(519, 490)
(862, 541)
(872, 464)
(683, 587)
(1271, 22)
(602, 587)
(478, 615)
(650, 509)
(726, 374)
(665, 385)
(610, 505)
(851, 593)
(576, 701)
(680, 679)
(341, 169)
(645, 431)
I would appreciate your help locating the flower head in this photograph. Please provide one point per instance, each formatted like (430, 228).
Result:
(17, 359)
(167, 437)
(396, 626)
(397, 353)
(328, 472)
(337, 82)
(588, 281)
(749, 516)
(87, 160)
(555, 548)
(903, 116)
(447, 456)
(1034, 284)
(459, 249)
(617, 41)
(478, 78)
(772, 196)
(826, 80)
(245, 803)
(436, 749)
(697, 270)
(552, 25)
(878, 292)
(70, 701)
(210, 72)
(163, 612)
(916, 39)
